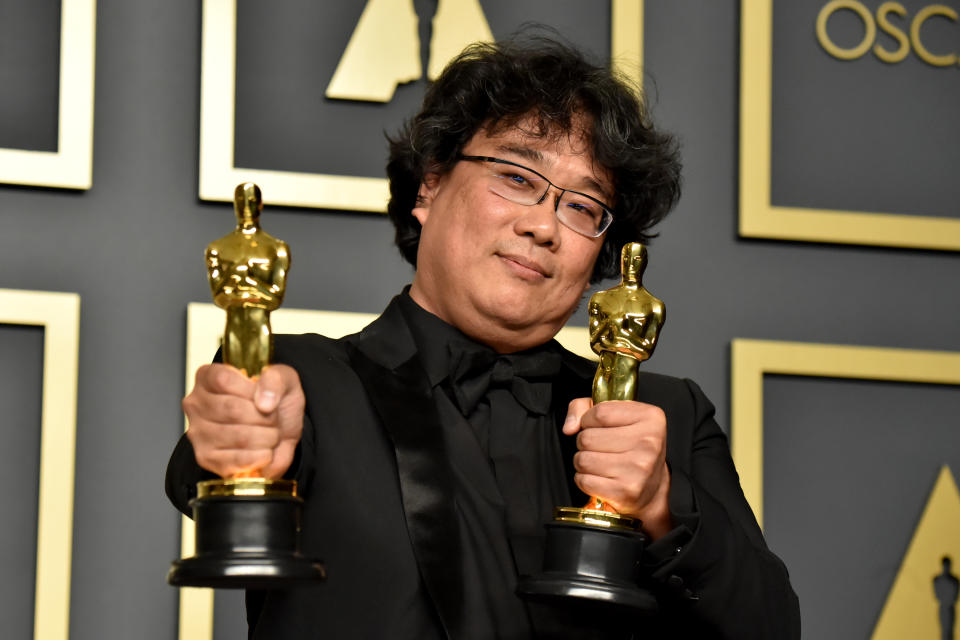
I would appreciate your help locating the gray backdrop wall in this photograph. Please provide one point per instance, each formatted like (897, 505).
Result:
(132, 248)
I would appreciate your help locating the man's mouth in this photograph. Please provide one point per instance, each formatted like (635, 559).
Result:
(525, 267)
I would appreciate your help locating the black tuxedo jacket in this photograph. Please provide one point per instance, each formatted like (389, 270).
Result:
(379, 507)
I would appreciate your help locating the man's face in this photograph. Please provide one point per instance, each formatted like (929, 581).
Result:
(506, 274)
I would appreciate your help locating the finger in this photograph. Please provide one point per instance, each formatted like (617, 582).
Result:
(575, 411)
(205, 436)
(242, 436)
(610, 439)
(281, 461)
(229, 462)
(227, 410)
(275, 382)
(618, 413)
(607, 489)
(223, 379)
(593, 463)
(628, 469)
(626, 497)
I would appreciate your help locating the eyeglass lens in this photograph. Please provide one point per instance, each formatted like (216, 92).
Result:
(522, 186)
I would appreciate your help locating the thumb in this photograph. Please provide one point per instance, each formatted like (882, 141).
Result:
(274, 382)
(575, 411)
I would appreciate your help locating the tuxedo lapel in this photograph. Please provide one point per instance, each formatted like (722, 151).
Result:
(384, 357)
(575, 381)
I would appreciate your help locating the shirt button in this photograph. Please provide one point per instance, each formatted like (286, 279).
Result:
(674, 582)
(677, 551)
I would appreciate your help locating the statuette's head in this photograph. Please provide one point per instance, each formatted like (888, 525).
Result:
(627, 318)
(247, 203)
(633, 261)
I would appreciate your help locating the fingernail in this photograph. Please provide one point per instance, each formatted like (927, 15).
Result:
(267, 398)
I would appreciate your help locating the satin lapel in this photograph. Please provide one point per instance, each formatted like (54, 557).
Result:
(384, 358)
(575, 381)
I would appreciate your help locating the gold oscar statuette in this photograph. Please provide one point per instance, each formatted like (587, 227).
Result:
(247, 526)
(593, 552)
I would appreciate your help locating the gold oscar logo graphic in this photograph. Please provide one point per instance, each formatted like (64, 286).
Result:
(385, 49)
(922, 601)
(887, 25)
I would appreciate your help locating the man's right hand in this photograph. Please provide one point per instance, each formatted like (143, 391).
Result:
(239, 426)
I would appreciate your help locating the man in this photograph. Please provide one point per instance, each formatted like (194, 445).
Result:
(432, 446)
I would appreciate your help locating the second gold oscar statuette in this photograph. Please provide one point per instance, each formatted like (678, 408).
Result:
(593, 553)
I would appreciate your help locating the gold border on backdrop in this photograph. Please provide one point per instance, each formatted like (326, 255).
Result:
(205, 324)
(759, 218)
(219, 176)
(752, 359)
(59, 315)
(71, 165)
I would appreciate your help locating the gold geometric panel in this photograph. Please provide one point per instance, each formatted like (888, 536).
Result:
(911, 607)
(219, 176)
(205, 324)
(457, 24)
(383, 52)
(70, 166)
(384, 49)
(752, 359)
(59, 315)
(759, 218)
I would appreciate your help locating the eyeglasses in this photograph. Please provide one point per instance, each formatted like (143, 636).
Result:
(578, 211)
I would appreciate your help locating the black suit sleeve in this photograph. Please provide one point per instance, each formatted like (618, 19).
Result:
(715, 567)
(183, 474)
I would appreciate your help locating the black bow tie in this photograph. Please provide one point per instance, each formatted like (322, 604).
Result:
(475, 370)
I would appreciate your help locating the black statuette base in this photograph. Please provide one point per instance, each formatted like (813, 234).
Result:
(592, 563)
(246, 542)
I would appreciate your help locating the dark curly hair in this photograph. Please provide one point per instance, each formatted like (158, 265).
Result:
(552, 84)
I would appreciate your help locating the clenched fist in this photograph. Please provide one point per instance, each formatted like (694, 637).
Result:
(240, 426)
(622, 458)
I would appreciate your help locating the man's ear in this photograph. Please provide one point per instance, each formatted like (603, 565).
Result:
(425, 196)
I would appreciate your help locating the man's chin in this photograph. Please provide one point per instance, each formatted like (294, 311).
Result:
(516, 332)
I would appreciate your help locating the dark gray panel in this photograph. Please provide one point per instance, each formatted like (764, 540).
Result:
(863, 135)
(287, 51)
(586, 24)
(229, 615)
(29, 74)
(848, 468)
(20, 401)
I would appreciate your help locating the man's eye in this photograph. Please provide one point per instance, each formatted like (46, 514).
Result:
(515, 180)
(585, 209)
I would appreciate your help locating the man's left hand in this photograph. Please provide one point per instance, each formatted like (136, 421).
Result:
(622, 458)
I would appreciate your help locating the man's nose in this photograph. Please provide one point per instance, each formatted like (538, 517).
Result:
(540, 220)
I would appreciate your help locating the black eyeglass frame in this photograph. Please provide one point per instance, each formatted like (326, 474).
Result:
(604, 223)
